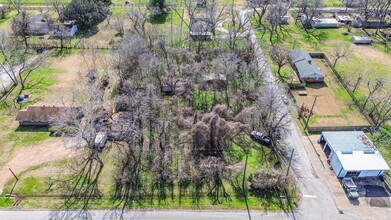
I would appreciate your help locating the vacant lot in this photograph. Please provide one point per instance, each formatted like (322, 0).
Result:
(333, 106)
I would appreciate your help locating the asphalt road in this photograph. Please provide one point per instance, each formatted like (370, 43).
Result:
(317, 200)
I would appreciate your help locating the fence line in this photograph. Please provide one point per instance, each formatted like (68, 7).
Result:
(356, 102)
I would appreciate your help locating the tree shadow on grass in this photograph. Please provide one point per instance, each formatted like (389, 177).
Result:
(269, 196)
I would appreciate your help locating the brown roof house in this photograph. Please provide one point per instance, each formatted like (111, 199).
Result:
(39, 115)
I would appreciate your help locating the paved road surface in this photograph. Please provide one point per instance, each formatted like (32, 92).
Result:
(316, 197)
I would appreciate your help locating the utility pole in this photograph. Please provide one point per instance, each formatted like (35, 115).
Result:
(290, 162)
(243, 184)
(309, 116)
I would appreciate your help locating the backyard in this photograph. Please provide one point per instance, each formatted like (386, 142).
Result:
(333, 107)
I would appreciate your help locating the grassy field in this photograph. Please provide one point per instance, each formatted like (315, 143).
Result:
(34, 188)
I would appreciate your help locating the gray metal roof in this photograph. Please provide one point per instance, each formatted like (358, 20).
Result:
(349, 141)
(306, 67)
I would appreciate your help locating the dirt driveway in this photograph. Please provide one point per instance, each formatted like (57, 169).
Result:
(26, 157)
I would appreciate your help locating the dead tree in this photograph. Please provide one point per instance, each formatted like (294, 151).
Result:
(15, 4)
(274, 18)
(235, 28)
(279, 54)
(380, 109)
(18, 63)
(118, 25)
(308, 9)
(273, 116)
(373, 88)
(340, 51)
(58, 5)
(82, 122)
(260, 8)
(21, 26)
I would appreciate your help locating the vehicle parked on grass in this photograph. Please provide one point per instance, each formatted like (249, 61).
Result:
(260, 138)
(350, 187)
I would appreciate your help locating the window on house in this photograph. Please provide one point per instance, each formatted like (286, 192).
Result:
(352, 173)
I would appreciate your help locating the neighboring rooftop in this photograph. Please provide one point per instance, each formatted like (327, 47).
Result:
(349, 141)
(355, 151)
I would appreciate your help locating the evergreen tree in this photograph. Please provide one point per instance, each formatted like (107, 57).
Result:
(87, 13)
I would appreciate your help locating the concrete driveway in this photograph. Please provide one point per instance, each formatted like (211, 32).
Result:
(374, 201)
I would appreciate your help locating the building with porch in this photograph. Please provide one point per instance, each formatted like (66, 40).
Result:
(352, 154)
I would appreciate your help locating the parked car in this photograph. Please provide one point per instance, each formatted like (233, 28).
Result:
(260, 138)
(100, 140)
(285, 99)
(350, 187)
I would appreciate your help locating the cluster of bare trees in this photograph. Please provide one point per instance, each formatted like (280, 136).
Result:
(177, 145)
(376, 98)
(375, 9)
(18, 63)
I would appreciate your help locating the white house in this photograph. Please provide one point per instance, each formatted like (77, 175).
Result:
(352, 154)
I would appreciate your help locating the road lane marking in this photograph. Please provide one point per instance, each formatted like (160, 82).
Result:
(310, 196)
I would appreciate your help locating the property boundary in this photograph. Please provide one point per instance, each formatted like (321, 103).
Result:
(356, 102)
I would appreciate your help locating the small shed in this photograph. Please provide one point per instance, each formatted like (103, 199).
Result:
(305, 67)
(201, 29)
(324, 23)
(361, 40)
(352, 154)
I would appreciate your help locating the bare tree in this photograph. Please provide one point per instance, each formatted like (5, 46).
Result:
(366, 8)
(260, 8)
(21, 26)
(274, 17)
(15, 4)
(118, 25)
(373, 88)
(82, 122)
(19, 63)
(339, 51)
(359, 78)
(58, 5)
(279, 54)
(236, 27)
(380, 109)
(309, 9)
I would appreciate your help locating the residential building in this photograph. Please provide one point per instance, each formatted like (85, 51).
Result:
(305, 67)
(352, 154)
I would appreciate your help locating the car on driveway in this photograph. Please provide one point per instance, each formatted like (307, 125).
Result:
(260, 138)
(350, 187)
(285, 99)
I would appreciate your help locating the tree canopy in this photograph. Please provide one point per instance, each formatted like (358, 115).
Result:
(87, 13)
